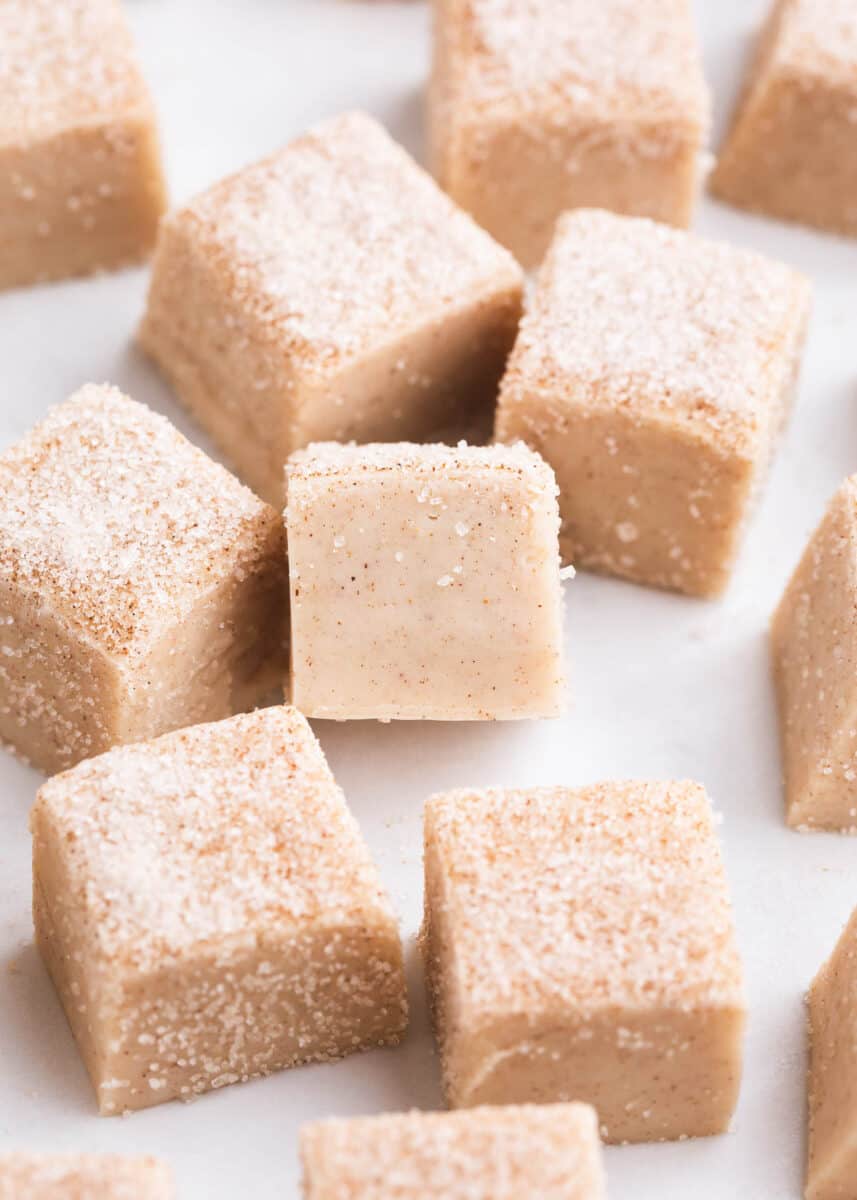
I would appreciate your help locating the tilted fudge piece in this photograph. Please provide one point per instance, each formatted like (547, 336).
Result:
(142, 587)
(538, 106)
(83, 1177)
(791, 151)
(547, 1151)
(81, 187)
(329, 292)
(425, 583)
(579, 945)
(832, 1013)
(654, 371)
(209, 912)
(814, 654)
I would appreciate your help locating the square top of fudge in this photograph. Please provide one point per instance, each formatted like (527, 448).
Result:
(817, 39)
(83, 1177)
(108, 511)
(674, 329)
(607, 897)
(338, 243)
(65, 65)
(217, 835)
(549, 1151)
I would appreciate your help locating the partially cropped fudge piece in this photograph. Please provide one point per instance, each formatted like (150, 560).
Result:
(538, 106)
(549, 1152)
(425, 583)
(814, 653)
(141, 586)
(81, 187)
(83, 1177)
(791, 151)
(329, 292)
(208, 911)
(579, 945)
(654, 371)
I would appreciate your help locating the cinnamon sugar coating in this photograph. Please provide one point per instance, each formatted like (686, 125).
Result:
(141, 586)
(547, 1151)
(579, 944)
(538, 106)
(814, 655)
(83, 1177)
(654, 370)
(209, 912)
(337, 292)
(791, 151)
(81, 187)
(425, 583)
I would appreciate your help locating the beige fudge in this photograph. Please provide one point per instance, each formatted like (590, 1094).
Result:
(832, 1012)
(425, 583)
(330, 292)
(538, 106)
(579, 945)
(141, 586)
(654, 371)
(791, 151)
(814, 654)
(83, 1177)
(548, 1152)
(208, 911)
(80, 177)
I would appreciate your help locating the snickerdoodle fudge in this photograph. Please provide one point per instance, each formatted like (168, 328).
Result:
(791, 151)
(142, 587)
(209, 912)
(81, 187)
(654, 371)
(329, 292)
(548, 1151)
(832, 1012)
(814, 654)
(425, 583)
(538, 106)
(579, 945)
(83, 1177)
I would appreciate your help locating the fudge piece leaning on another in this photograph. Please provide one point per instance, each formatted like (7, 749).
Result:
(832, 1011)
(81, 187)
(329, 292)
(791, 151)
(142, 587)
(654, 371)
(579, 945)
(425, 583)
(814, 657)
(83, 1177)
(209, 912)
(538, 106)
(548, 1152)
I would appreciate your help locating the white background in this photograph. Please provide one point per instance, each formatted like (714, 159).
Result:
(662, 686)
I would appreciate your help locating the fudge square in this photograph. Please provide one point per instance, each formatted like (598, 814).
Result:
(538, 106)
(425, 583)
(814, 656)
(653, 371)
(832, 1013)
(81, 187)
(579, 945)
(83, 1177)
(208, 911)
(330, 292)
(549, 1151)
(791, 151)
(142, 587)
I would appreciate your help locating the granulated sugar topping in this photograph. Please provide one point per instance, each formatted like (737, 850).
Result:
(111, 514)
(82, 1177)
(819, 37)
(611, 894)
